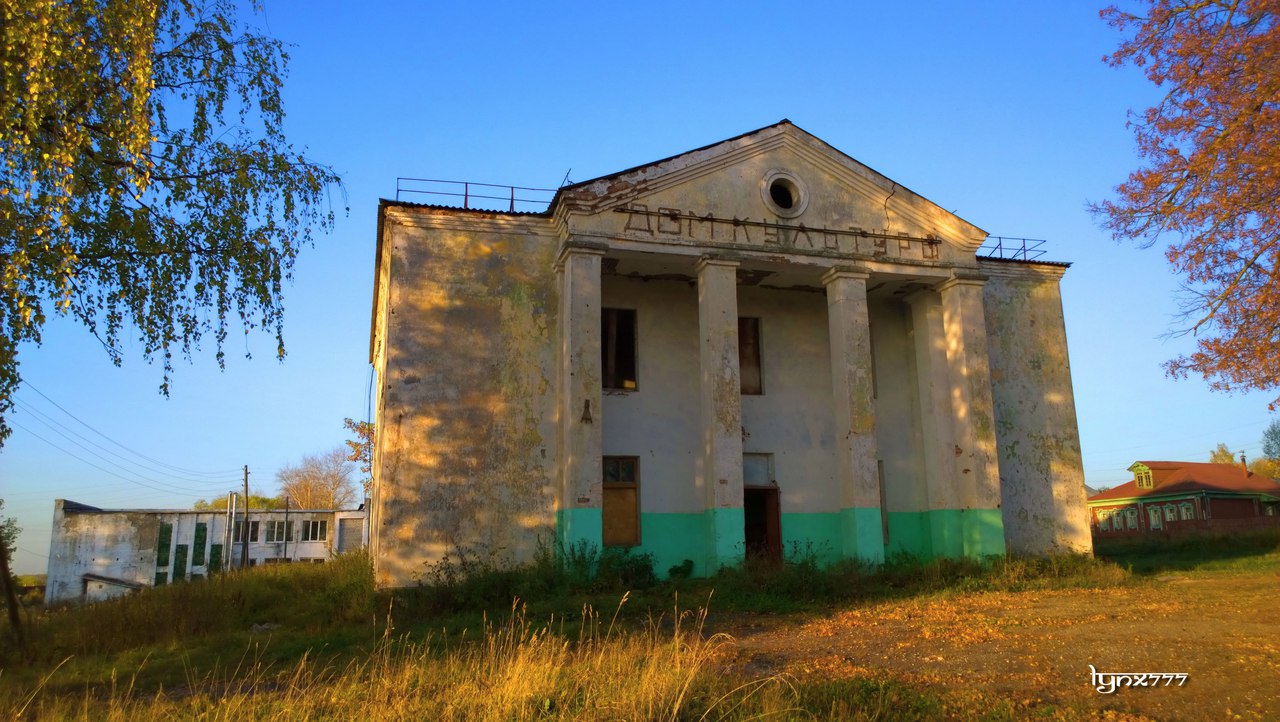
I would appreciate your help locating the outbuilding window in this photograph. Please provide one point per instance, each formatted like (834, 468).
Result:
(315, 530)
(240, 528)
(278, 531)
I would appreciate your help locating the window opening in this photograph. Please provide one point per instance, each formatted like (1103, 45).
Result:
(618, 348)
(315, 530)
(239, 531)
(752, 376)
(784, 193)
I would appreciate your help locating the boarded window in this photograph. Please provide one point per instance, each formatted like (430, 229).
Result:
(618, 348)
(215, 558)
(180, 563)
(163, 540)
(749, 356)
(199, 543)
(621, 512)
(350, 534)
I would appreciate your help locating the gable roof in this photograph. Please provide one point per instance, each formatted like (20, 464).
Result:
(782, 132)
(1186, 477)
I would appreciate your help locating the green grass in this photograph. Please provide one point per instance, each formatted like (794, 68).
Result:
(1239, 552)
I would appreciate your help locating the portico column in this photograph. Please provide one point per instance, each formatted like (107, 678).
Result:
(973, 413)
(933, 391)
(578, 514)
(857, 472)
(721, 391)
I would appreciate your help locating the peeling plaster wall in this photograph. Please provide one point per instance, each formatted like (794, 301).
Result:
(1038, 441)
(898, 439)
(794, 419)
(471, 446)
(465, 457)
(118, 545)
(659, 421)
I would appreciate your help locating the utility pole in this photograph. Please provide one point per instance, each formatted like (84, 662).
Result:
(244, 532)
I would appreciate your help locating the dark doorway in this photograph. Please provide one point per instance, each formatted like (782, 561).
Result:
(763, 524)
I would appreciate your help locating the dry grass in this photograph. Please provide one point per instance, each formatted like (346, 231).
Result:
(513, 671)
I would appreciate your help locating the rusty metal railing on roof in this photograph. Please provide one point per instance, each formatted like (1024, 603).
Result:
(480, 196)
(1016, 249)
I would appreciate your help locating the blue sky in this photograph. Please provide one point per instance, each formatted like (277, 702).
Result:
(1002, 111)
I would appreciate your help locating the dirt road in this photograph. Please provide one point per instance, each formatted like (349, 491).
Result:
(1034, 648)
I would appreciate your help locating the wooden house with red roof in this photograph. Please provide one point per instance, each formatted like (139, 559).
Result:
(1174, 498)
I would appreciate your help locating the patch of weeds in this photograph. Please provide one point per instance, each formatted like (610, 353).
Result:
(799, 581)
(683, 570)
(463, 582)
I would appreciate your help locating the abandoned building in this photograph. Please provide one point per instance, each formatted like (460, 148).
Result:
(757, 348)
(97, 554)
(1185, 498)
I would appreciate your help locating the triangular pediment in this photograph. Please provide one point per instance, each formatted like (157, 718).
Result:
(779, 184)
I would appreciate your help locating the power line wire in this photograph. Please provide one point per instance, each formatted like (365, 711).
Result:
(199, 487)
(51, 422)
(222, 472)
(170, 490)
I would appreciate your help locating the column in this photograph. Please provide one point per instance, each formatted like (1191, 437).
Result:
(857, 472)
(721, 410)
(578, 510)
(973, 414)
(933, 391)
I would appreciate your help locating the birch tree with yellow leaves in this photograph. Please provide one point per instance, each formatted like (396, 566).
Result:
(147, 189)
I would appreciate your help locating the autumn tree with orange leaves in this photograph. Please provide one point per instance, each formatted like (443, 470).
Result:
(1210, 183)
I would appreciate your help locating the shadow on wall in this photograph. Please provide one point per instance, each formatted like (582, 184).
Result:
(467, 400)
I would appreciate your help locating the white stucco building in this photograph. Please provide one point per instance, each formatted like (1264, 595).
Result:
(759, 347)
(97, 553)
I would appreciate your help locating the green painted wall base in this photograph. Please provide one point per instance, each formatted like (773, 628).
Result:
(815, 536)
(673, 538)
(716, 538)
(983, 532)
(728, 538)
(579, 526)
(862, 534)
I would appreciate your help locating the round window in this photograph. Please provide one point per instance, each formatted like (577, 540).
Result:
(783, 194)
